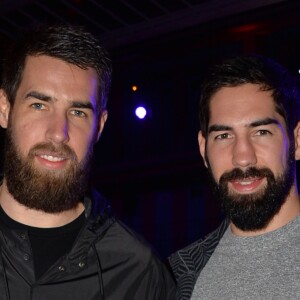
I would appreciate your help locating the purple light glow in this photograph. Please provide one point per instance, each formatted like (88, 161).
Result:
(141, 112)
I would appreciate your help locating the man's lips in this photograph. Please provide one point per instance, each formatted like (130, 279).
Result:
(52, 158)
(246, 185)
(55, 161)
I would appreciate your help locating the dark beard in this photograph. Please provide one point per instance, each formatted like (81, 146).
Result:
(44, 190)
(254, 211)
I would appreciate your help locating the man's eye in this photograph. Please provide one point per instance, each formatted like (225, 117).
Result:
(78, 113)
(38, 106)
(263, 132)
(222, 136)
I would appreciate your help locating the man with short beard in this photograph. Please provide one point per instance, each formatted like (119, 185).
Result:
(55, 241)
(249, 140)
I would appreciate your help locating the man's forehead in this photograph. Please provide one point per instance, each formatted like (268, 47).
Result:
(244, 104)
(241, 98)
(57, 75)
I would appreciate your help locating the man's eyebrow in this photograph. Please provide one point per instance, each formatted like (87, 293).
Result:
(39, 96)
(261, 122)
(266, 121)
(217, 127)
(82, 104)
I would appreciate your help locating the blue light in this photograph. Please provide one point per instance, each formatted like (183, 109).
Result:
(140, 112)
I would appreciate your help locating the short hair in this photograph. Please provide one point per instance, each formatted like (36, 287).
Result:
(255, 69)
(71, 44)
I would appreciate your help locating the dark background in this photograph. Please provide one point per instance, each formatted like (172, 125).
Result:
(151, 169)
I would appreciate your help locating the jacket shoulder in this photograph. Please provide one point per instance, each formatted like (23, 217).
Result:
(188, 262)
(123, 253)
(126, 242)
(126, 253)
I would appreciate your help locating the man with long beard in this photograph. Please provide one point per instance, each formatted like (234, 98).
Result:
(249, 140)
(55, 242)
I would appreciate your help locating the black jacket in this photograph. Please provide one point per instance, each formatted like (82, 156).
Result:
(107, 261)
(189, 262)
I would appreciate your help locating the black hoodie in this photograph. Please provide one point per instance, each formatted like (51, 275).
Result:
(108, 261)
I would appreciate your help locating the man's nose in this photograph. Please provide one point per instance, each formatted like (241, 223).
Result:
(58, 129)
(244, 154)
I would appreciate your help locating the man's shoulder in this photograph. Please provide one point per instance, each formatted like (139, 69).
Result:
(112, 234)
(121, 249)
(125, 241)
(192, 258)
(188, 262)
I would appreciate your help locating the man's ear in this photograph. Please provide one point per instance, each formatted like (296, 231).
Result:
(297, 141)
(4, 109)
(101, 124)
(202, 145)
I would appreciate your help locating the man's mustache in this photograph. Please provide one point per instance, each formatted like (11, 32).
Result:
(252, 172)
(60, 149)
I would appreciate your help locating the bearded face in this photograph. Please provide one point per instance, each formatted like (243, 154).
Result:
(250, 154)
(50, 191)
(52, 125)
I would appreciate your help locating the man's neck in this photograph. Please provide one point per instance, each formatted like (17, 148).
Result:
(32, 217)
(288, 211)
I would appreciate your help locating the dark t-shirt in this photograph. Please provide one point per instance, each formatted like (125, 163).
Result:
(48, 244)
